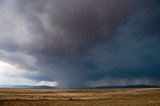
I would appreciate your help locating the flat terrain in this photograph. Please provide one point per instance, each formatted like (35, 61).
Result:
(88, 97)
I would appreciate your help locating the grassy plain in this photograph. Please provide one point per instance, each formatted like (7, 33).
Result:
(87, 97)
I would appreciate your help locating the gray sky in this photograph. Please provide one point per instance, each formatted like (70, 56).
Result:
(80, 43)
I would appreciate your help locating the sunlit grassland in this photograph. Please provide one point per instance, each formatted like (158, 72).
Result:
(88, 97)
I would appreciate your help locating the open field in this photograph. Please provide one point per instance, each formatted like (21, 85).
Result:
(90, 97)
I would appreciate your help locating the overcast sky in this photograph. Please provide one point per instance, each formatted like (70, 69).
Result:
(79, 43)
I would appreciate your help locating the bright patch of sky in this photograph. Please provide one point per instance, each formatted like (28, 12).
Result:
(11, 75)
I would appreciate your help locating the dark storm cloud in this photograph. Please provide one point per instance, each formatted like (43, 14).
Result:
(76, 41)
(74, 25)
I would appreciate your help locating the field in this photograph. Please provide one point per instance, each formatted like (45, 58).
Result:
(88, 97)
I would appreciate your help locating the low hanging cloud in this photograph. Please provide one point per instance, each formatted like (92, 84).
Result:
(76, 42)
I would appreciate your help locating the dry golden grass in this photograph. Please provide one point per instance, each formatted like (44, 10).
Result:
(90, 97)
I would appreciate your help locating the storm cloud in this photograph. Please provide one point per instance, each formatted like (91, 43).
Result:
(81, 42)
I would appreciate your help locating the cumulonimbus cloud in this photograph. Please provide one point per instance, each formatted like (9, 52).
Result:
(76, 41)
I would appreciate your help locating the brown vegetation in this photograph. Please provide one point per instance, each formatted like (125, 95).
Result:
(90, 97)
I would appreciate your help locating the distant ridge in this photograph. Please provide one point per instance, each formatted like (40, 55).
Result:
(27, 86)
(128, 86)
(99, 87)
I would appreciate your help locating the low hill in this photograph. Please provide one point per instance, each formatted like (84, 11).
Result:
(128, 86)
